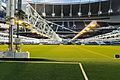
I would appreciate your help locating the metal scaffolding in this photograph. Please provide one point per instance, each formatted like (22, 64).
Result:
(40, 24)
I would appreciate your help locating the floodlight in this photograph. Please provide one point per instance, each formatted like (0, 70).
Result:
(70, 11)
(53, 11)
(110, 11)
(93, 25)
(84, 31)
(88, 29)
(89, 13)
(19, 21)
(62, 14)
(70, 14)
(80, 7)
(79, 13)
(99, 12)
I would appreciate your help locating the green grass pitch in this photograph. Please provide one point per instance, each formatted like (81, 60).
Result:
(35, 71)
(98, 61)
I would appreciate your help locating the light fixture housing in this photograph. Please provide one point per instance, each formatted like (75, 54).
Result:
(70, 14)
(79, 14)
(62, 15)
(99, 12)
(93, 25)
(80, 9)
(110, 11)
(53, 11)
(89, 13)
(74, 26)
(19, 22)
(62, 25)
(53, 14)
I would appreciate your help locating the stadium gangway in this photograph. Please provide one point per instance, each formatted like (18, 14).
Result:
(40, 24)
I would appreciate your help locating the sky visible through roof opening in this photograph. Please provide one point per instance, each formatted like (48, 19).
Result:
(66, 1)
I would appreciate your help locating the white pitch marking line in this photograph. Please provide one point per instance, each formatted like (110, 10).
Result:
(83, 71)
(53, 62)
(42, 62)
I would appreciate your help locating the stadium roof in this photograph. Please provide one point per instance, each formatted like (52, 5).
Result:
(66, 1)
